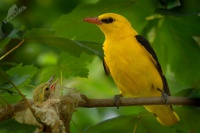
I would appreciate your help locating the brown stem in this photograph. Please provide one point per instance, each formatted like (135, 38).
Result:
(10, 51)
(140, 101)
(6, 113)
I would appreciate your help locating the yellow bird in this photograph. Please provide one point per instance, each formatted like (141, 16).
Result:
(133, 64)
(44, 91)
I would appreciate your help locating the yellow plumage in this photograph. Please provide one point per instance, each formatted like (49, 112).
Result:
(134, 69)
(44, 91)
(41, 93)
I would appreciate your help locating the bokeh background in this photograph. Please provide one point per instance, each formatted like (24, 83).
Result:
(57, 41)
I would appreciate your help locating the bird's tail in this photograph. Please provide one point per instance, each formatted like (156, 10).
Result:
(164, 114)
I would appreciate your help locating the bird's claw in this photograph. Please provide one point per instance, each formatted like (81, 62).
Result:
(164, 97)
(117, 100)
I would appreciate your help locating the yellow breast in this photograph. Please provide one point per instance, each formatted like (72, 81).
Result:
(131, 67)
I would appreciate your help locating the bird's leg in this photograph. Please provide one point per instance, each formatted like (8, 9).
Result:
(117, 100)
(164, 96)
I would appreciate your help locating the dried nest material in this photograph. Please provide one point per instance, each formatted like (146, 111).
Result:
(55, 113)
(48, 114)
(69, 102)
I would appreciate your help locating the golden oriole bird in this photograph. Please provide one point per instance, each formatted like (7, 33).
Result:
(133, 64)
(44, 91)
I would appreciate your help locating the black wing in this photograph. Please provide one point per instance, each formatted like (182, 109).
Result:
(106, 69)
(143, 41)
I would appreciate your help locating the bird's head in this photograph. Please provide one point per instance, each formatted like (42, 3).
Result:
(44, 91)
(112, 24)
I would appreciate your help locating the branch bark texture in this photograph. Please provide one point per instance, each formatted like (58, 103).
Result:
(7, 112)
(90, 103)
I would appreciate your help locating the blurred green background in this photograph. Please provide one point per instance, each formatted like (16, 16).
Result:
(58, 42)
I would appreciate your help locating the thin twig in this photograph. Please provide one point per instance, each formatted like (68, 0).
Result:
(7, 53)
(4, 100)
(20, 93)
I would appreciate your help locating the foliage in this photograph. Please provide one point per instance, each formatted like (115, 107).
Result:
(57, 42)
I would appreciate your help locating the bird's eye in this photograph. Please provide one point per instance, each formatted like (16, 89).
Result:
(47, 89)
(110, 20)
(107, 20)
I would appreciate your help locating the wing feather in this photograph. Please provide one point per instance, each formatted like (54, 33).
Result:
(106, 69)
(143, 41)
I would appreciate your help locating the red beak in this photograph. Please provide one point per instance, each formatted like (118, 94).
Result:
(52, 87)
(94, 20)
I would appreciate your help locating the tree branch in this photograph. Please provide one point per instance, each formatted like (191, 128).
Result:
(7, 113)
(90, 103)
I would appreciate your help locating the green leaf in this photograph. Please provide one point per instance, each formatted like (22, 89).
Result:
(4, 42)
(190, 92)
(141, 123)
(175, 46)
(68, 66)
(17, 80)
(148, 123)
(23, 70)
(190, 6)
(11, 125)
(22, 74)
(92, 46)
(75, 48)
(8, 91)
(171, 3)
(7, 28)
(185, 92)
(180, 8)
(189, 119)
(72, 66)
(37, 34)
(119, 125)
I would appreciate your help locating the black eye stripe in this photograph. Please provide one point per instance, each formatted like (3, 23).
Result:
(107, 20)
